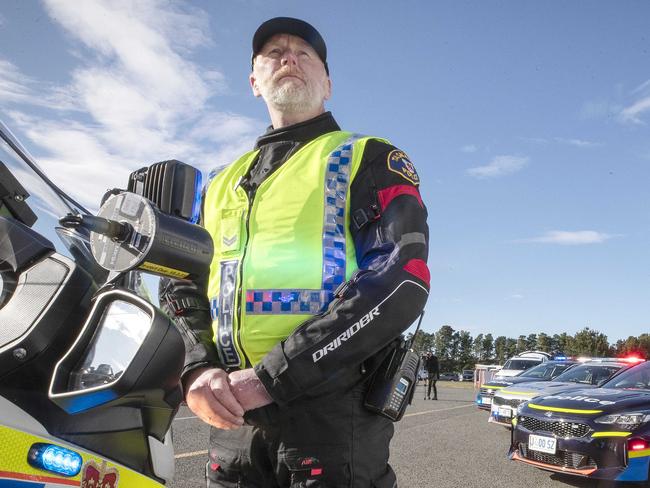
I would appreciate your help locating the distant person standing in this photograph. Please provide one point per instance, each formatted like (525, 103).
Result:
(432, 367)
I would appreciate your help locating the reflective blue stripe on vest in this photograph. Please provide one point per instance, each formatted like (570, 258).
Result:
(337, 182)
(286, 301)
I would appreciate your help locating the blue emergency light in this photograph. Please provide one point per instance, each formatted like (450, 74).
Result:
(196, 205)
(56, 459)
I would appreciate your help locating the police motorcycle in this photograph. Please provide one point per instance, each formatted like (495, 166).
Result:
(89, 367)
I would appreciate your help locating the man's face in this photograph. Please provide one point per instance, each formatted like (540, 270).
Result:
(288, 74)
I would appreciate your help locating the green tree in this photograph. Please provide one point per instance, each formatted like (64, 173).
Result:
(465, 356)
(544, 342)
(522, 345)
(590, 342)
(511, 347)
(478, 348)
(500, 349)
(423, 342)
(443, 347)
(488, 347)
(454, 351)
(563, 343)
(531, 342)
(637, 346)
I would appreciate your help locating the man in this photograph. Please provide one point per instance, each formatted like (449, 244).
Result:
(432, 367)
(320, 263)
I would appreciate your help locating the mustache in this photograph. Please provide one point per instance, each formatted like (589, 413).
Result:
(288, 71)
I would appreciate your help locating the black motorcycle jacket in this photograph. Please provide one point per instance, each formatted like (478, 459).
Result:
(339, 347)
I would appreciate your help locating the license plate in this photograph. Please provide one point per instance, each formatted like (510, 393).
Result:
(505, 412)
(486, 400)
(542, 444)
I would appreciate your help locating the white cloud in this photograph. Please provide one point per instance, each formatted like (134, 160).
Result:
(561, 140)
(499, 166)
(14, 86)
(634, 112)
(516, 296)
(571, 238)
(643, 87)
(577, 142)
(141, 97)
(535, 140)
(469, 148)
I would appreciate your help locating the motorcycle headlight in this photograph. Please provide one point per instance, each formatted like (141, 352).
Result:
(625, 420)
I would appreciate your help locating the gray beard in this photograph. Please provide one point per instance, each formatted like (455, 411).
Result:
(289, 98)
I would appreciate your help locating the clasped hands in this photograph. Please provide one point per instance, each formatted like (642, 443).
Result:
(221, 399)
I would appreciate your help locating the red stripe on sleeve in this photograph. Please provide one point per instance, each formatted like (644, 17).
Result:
(388, 194)
(418, 268)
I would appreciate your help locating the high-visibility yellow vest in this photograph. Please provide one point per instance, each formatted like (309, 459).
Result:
(278, 260)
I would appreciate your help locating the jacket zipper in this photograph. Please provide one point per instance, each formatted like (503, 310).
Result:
(240, 323)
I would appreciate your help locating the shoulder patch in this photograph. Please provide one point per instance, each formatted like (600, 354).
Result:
(398, 162)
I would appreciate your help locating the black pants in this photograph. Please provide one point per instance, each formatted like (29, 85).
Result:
(329, 442)
(431, 383)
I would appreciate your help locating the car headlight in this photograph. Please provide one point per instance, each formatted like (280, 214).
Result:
(625, 420)
(520, 407)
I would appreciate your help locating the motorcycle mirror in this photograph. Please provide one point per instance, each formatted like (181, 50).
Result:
(125, 348)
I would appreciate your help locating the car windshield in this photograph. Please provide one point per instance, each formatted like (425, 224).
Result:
(589, 374)
(545, 371)
(520, 364)
(636, 378)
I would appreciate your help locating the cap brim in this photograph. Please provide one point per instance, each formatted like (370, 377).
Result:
(288, 25)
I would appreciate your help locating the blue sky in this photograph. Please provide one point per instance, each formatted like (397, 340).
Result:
(527, 121)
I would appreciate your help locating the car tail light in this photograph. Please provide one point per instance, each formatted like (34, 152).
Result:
(637, 444)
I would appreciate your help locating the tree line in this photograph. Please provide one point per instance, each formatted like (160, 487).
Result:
(457, 349)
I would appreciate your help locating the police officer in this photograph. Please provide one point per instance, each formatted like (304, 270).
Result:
(320, 264)
(432, 367)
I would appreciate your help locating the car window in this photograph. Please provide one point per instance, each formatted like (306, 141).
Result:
(588, 374)
(540, 371)
(635, 378)
(519, 364)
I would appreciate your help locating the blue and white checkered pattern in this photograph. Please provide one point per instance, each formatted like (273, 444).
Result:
(214, 307)
(286, 301)
(337, 182)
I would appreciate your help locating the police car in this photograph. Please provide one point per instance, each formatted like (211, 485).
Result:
(521, 362)
(600, 433)
(590, 374)
(542, 372)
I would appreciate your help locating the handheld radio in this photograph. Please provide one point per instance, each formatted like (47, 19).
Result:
(393, 384)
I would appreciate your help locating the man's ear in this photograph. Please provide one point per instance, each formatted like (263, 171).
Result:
(328, 89)
(254, 87)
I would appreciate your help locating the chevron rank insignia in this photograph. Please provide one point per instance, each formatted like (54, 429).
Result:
(398, 162)
(229, 241)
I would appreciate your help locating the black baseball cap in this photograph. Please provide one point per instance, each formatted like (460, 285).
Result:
(296, 27)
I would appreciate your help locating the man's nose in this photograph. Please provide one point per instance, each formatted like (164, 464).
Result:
(289, 58)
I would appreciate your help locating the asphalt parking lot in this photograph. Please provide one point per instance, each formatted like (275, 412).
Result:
(444, 444)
